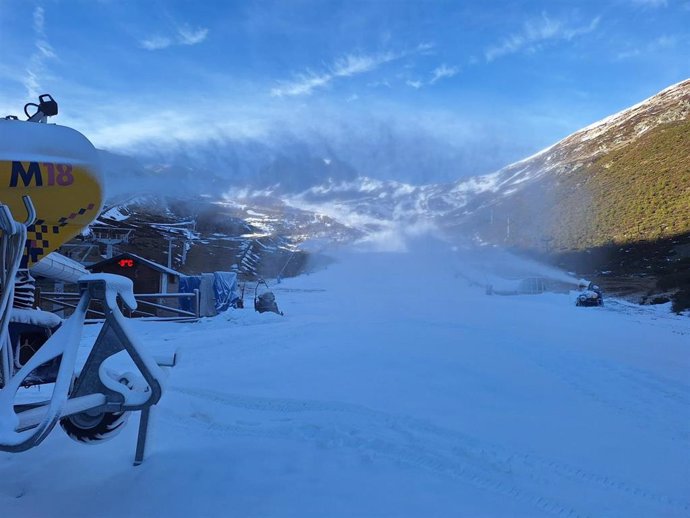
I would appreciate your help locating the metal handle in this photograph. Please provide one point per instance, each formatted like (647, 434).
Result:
(7, 222)
(30, 210)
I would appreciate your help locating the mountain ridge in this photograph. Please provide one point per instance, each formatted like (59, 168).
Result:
(563, 172)
(602, 192)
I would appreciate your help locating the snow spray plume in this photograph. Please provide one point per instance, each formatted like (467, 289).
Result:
(489, 265)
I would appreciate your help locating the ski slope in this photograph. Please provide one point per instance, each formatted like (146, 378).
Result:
(393, 388)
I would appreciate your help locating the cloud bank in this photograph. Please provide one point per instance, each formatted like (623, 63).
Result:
(184, 35)
(36, 67)
(535, 34)
(350, 65)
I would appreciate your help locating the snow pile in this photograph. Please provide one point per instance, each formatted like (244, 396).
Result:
(115, 213)
(393, 387)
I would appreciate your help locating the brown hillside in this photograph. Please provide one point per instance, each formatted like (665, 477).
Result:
(625, 179)
(639, 192)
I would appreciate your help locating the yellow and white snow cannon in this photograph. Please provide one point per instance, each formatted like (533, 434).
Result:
(59, 168)
(50, 181)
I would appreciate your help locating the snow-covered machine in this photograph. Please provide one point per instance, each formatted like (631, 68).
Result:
(50, 179)
(591, 295)
(265, 301)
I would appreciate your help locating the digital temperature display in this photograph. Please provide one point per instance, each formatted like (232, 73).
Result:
(126, 263)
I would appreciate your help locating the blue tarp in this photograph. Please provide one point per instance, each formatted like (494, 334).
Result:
(225, 288)
(188, 283)
(225, 291)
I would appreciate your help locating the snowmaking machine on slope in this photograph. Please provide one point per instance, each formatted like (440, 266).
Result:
(265, 301)
(591, 295)
(51, 188)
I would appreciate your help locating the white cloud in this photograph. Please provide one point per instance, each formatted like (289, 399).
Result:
(443, 71)
(535, 33)
(168, 129)
(358, 64)
(651, 3)
(188, 36)
(440, 72)
(663, 42)
(660, 44)
(378, 84)
(305, 83)
(425, 48)
(39, 20)
(628, 54)
(185, 35)
(36, 67)
(351, 65)
(156, 43)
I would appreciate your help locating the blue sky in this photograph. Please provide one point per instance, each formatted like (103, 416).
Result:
(422, 91)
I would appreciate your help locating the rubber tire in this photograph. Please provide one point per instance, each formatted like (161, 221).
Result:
(89, 429)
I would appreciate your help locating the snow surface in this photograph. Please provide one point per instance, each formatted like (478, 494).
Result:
(115, 213)
(35, 317)
(392, 387)
(57, 266)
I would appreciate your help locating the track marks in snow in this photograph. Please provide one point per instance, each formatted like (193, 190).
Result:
(650, 315)
(415, 443)
(652, 402)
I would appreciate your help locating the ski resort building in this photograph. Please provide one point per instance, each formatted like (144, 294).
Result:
(147, 276)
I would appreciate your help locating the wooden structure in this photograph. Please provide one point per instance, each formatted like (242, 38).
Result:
(155, 290)
(147, 276)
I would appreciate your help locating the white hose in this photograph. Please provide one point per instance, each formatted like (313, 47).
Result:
(12, 252)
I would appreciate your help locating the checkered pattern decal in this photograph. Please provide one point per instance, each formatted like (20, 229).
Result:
(39, 235)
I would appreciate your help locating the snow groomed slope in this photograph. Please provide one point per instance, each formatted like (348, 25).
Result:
(393, 388)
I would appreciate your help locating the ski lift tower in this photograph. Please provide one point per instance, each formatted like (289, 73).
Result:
(110, 236)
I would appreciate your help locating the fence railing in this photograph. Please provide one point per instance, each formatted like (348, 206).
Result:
(152, 306)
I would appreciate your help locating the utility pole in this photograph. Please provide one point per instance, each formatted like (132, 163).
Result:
(170, 242)
(184, 252)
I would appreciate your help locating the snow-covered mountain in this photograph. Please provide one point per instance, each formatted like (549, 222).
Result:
(586, 145)
(332, 186)
(580, 191)
(263, 237)
(551, 197)
(620, 181)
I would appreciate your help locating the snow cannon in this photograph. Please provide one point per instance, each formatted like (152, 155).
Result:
(58, 168)
(592, 295)
(265, 301)
(50, 189)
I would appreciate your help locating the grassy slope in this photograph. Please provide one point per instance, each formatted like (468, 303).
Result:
(637, 196)
(642, 191)
(624, 212)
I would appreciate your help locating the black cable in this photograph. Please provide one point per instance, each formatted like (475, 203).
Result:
(30, 104)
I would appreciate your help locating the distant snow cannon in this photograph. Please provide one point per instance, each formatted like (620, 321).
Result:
(265, 301)
(590, 296)
(50, 179)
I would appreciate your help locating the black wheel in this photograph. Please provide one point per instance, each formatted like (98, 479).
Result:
(94, 426)
(91, 427)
